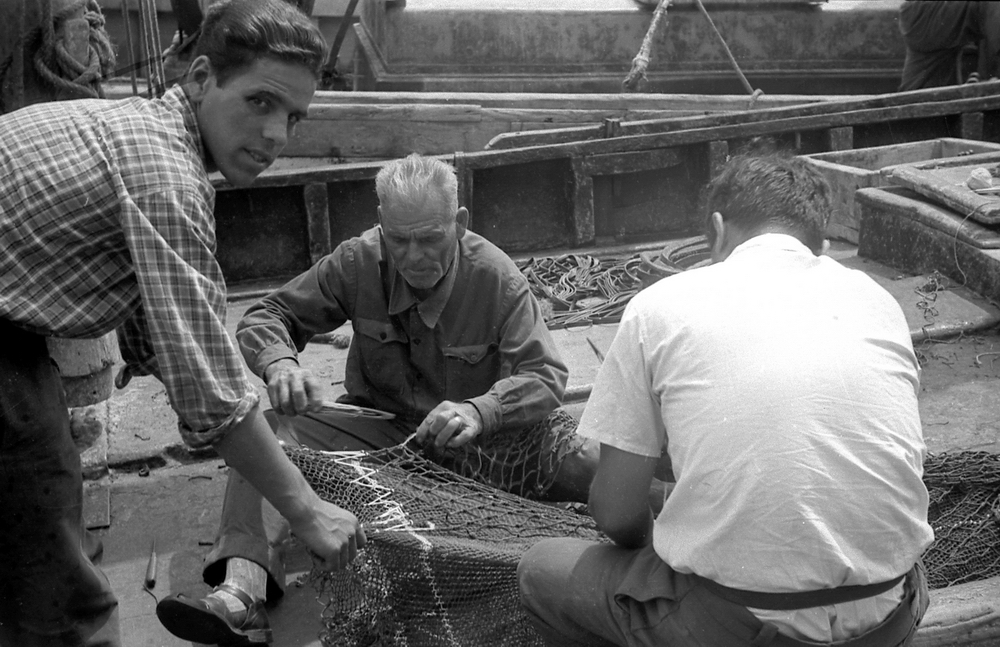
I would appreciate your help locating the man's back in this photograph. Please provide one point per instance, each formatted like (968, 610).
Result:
(787, 387)
(73, 172)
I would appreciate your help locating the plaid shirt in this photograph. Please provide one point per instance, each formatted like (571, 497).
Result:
(106, 221)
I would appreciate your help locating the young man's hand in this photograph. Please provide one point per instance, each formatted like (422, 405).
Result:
(333, 535)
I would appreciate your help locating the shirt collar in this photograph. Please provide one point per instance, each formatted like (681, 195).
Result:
(401, 297)
(771, 241)
(177, 99)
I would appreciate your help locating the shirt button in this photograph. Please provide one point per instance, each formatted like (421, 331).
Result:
(416, 342)
(381, 335)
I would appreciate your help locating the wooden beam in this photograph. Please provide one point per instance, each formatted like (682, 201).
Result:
(718, 155)
(614, 164)
(971, 125)
(583, 203)
(317, 219)
(645, 141)
(967, 93)
(840, 139)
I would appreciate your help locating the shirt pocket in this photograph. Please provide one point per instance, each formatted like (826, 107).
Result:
(471, 370)
(378, 332)
(382, 352)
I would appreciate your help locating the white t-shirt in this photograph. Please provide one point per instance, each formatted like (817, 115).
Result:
(784, 387)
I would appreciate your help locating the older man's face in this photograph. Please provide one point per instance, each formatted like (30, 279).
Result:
(421, 239)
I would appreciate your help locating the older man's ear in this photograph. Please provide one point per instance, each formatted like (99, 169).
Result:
(461, 221)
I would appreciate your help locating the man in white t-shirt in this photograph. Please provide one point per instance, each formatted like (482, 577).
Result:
(783, 388)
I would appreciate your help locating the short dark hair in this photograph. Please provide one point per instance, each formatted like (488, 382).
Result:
(772, 191)
(235, 33)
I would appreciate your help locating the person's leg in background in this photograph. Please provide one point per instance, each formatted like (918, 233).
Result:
(51, 593)
(934, 33)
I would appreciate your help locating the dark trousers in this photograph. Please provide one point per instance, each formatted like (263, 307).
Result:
(51, 593)
(580, 593)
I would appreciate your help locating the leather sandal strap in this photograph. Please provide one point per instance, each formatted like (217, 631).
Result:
(237, 593)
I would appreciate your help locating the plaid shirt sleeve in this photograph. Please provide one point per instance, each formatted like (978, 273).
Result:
(182, 320)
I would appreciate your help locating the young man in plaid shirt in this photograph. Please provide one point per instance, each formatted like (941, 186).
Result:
(106, 223)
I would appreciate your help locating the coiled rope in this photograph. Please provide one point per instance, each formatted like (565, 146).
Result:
(59, 68)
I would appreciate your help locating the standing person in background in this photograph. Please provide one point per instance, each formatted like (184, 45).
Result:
(935, 33)
(784, 389)
(106, 221)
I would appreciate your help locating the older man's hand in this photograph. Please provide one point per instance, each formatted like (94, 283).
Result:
(450, 424)
(292, 389)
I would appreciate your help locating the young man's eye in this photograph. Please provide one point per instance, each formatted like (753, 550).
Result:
(259, 104)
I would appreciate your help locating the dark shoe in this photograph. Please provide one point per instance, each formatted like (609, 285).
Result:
(208, 620)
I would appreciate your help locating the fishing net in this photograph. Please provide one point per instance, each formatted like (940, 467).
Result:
(439, 569)
(523, 461)
(964, 511)
(440, 565)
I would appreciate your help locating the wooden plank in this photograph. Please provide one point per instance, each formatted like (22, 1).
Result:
(614, 164)
(583, 203)
(395, 112)
(947, 186)
(333, 172)
(976, 159)
(971, 125)
(899, 99)
(347, 133)
(351, 140)
(963, 614)
(318, 220)
(840, 139)
(633, 143)
(550, 116)
(908, 203)
(582, 101)
(735, 131)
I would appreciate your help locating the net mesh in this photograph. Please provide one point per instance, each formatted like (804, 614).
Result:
(524, 461)
(440, 565)
(964, 511)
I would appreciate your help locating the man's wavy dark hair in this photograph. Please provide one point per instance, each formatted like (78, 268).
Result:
(235, 33)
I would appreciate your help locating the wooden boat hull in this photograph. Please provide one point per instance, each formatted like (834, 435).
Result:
(619, 182)
(835, 47)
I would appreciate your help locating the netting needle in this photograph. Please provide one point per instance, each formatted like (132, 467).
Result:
(150, 580)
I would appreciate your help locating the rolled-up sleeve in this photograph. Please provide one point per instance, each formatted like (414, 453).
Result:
(171, 239)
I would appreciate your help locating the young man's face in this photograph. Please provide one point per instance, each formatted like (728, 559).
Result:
(246, 121)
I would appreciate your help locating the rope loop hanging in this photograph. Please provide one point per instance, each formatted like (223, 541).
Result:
(60, 69)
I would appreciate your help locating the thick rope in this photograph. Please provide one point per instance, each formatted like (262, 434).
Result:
(60, 69)
(641, 61)
(754, 94)
(127, 21)
(152, 53)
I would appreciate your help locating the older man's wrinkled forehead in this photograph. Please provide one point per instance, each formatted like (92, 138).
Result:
(424, 209)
